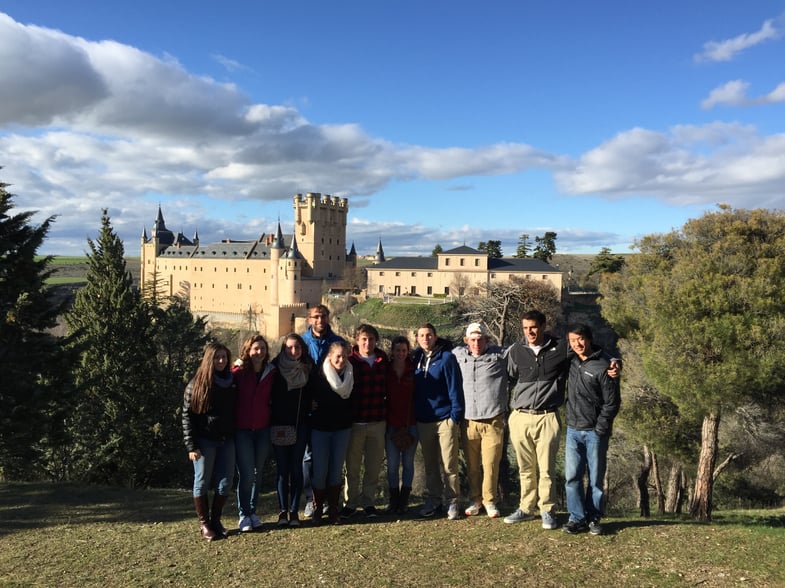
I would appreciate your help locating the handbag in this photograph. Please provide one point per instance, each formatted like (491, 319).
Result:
(402, 439)
(285, 435)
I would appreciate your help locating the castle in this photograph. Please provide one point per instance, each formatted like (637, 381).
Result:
(262, 284)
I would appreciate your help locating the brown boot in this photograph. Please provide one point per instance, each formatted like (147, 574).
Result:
(333, 502)
(319, 497)
(215, 516)
(200, 502)
(403, 500)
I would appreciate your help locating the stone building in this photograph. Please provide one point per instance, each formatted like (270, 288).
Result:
(266, 284)
(457, 272)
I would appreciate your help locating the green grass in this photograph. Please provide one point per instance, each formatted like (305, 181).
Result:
(69, 535)
(61, 280)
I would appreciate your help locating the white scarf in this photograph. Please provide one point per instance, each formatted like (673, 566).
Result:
(342, 388)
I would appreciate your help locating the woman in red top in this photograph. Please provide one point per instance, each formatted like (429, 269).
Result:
(254, 375)
(401, 438)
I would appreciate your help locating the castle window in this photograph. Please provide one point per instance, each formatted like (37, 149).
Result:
(430, 290)
(430, 274)
(397, 274)
(460, 262)
(381, 273)
(528, 276)
(446, 290)
(476, 262)
(545, 277)
(414, 274)
(447, 261)
(493, 275)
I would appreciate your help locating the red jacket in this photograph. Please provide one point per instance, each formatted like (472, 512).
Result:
(253, 398)
(400, 397)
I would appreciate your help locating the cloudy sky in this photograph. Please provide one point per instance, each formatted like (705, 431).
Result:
(447, 121)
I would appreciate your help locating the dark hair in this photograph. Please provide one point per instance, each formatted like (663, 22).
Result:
(245, 351)
(400, 339)
(428, 326)
(582, 330)
(534, 315)
(321, 308)
(203, 380)
(365, 329)
(305, 357)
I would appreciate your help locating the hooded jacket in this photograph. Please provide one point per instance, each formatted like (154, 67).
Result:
(593, 398)
(438, 386)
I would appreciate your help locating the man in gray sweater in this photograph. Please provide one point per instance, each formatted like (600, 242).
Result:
(484, 371)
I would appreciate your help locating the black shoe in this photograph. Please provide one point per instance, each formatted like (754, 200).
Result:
(370, 511)
(595, 528)
(347, 512)
(283, 519)
(575, 527)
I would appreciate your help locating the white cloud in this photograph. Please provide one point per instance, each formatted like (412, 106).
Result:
(728, 49)
(687, 166)
(734, 93)
(230, 65)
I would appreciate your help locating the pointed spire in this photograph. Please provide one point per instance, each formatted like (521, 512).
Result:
(196, 237)
(293, 252)
(144, 235)
(379, 252)
(159, 224)
(352, 251)
(278, 240)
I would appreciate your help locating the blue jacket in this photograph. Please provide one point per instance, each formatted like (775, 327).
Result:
(319, 346)
(438, 386)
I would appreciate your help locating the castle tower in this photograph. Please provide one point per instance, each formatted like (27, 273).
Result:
(290, 274)
(320, 226)
(276, 249)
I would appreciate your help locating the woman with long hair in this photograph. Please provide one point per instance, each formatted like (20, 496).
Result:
(254, 375)
(291, 404)
(331, 425)
(208, 431)
(401, 438)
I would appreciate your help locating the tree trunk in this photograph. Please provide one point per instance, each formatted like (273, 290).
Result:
(675, 494)
(642, 483)
(682, 492)
(704, 479)
(655, 474)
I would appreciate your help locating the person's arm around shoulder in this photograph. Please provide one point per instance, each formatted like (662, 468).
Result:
(454, 379)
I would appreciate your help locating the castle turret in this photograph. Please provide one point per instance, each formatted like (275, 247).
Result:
(379, 253)
(320, 226)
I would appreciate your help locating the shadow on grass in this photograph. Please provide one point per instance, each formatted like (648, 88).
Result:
(38, 505)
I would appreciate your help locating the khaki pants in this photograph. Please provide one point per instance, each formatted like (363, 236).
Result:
(535, 439)
(440, 443)
(366, 448)
(483, 442)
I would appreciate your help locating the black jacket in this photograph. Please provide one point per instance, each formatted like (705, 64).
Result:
(593, 398)
(217, 424)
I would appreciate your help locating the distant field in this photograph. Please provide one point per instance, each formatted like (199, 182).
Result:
(73, 269)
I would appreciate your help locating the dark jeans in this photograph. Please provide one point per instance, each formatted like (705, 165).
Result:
(289, 461)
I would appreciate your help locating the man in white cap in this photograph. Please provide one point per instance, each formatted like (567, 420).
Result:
(484, 372)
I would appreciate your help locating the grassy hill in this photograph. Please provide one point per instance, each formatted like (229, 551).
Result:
(75, 535)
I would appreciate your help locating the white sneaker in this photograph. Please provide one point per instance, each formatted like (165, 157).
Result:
(245, 525)
(453, 513)
(492, 511)
(308, 510)
(549, 521)
(256, 523)
(474, 509)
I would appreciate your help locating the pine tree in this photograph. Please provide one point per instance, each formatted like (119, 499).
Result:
(546, 246)
(524, 246)
(34, 386)
(110, 426)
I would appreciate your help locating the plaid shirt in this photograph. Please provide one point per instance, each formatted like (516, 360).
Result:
(369, 395)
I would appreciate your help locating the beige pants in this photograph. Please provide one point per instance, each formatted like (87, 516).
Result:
(483, 442)
(366, 449)
(440, 443)
(535, 439)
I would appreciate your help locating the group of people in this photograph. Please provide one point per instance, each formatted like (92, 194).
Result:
(326, 408)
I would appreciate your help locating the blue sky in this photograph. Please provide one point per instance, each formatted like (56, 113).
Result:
(442, 122)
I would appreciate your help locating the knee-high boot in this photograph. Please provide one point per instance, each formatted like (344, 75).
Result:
(403, 501)
(215, 516)
(395, 500)
(200, 502)
(333, 504)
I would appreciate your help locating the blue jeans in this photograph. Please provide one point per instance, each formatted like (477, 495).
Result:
(397, 458)
(289, 463)
(329, 454)
(252, 447)
(214, 467)
(308, 469)
(585, 450)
